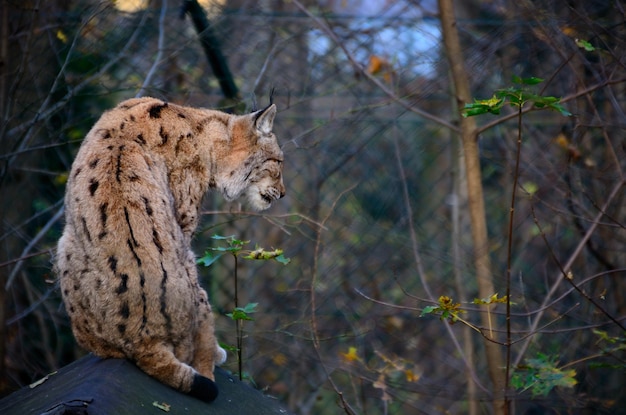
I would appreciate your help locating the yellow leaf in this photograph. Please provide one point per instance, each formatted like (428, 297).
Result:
(491, 102)
(376, 64)
(61, 178)
(279, 359)
(351, 356)
(411, 376)
(562, 141)
(61, 36)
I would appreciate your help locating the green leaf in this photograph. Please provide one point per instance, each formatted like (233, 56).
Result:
(220, 237)
(228, 347)
(541, 375)
(282, 259)
(209, 258)
(558, 107)
(428, 310)
(250, 308)
(241, 313)
(583, 44)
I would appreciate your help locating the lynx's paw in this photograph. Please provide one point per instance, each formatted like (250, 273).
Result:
(203, 388)
(220, 356)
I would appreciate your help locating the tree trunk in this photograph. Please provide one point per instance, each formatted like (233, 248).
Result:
(469, 139)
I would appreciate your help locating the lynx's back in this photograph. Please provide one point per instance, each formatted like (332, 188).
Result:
(127, 272)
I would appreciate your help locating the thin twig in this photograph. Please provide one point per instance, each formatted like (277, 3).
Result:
(44, 112)
(314, 331)
(565, 269)
(42, 232)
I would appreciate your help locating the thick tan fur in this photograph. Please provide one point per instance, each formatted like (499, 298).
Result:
(127, 273)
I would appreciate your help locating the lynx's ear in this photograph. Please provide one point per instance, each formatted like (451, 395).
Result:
(264, 120)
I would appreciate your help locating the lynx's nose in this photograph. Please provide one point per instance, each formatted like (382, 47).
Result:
(281, 190)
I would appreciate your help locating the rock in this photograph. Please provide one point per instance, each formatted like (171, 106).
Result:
(94, 386)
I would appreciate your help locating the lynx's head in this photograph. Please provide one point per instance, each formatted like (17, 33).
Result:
(254, 163)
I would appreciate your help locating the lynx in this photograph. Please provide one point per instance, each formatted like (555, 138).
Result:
(127, 273)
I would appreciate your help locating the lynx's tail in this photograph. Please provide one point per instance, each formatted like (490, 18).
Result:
(163, 365)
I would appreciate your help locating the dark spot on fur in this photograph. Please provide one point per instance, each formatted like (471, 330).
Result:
(121, 328)
(157, 240)
(103, 219)
(144, 302)
(123, 287)
(148, 207)
(106, 134)
(77, 172)
(130, 228)
(132, 118)
(181, 115)
(109, 147)
(113, 263)
(164, 313)
(140, 139)
(93, 186)
(163, 136)
(155, 110)
(94, 163)
(178, 142)
(122, 125)
(132, 250)
(124, 310)
(85, 229)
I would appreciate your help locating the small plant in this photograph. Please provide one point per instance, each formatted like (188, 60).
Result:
(541, 374)
(239, 314)
(521, 97)
(517, 97)
(448, 309)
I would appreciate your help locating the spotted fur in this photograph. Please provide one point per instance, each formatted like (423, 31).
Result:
(127, 273)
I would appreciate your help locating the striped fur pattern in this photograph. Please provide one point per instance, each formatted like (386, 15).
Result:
(127, 273)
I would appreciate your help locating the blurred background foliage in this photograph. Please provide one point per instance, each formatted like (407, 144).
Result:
(375, 220)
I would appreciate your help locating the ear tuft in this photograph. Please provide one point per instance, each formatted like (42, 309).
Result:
(264, 120)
